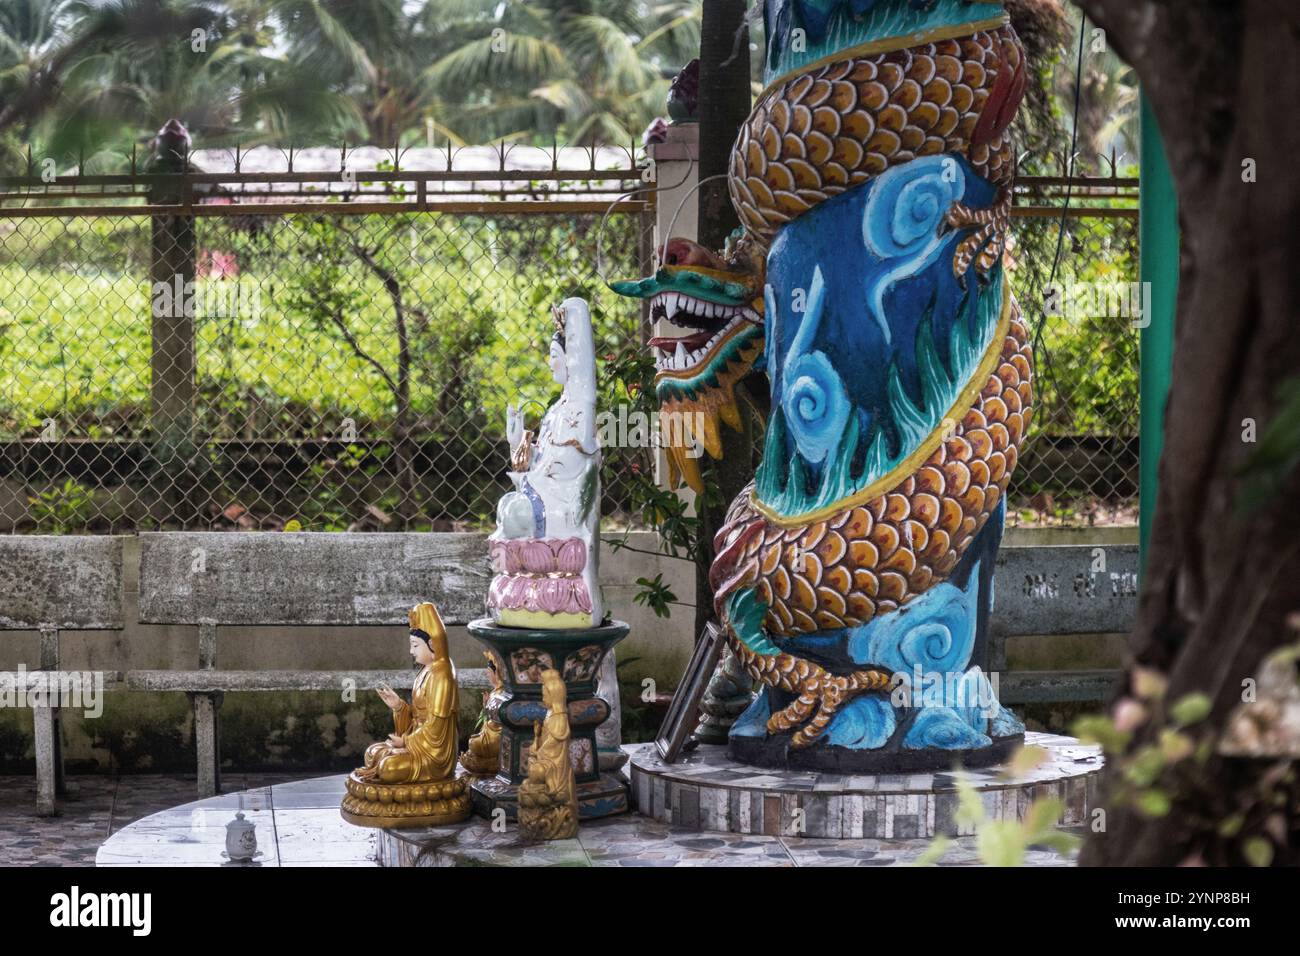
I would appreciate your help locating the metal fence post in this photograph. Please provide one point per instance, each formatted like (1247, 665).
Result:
(171, 294)
(1158, 256)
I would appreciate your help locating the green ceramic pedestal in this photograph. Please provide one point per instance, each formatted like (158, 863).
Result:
(521, 654)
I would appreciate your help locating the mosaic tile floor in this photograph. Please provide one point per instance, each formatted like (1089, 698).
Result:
(635, 841)
(144, 820)
(298, 825)
(97, 807)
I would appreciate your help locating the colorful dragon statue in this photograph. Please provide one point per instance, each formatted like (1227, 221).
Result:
(854, 576)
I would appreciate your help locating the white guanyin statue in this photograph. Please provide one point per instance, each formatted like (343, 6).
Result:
(545, 550)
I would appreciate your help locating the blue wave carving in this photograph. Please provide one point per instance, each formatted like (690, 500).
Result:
(942, 728)
(1005, 724)
(864, 723)
(933, 632)
(919, 355)
(830, 26)
(902, 221)
(753, 722)
(814, 401)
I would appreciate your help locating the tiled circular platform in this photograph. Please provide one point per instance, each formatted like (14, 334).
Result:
(298, 823)
(707, 791)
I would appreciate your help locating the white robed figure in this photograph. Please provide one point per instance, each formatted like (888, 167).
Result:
(546, 548)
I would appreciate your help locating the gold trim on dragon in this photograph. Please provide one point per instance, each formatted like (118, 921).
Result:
(904, 41)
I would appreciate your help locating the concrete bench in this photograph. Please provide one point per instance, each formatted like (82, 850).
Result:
(52, 583)
(1057, 590)
(215, 579)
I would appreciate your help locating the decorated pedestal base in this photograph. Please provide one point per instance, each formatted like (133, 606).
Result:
(708, 791)
(430, 804)
(520, 655)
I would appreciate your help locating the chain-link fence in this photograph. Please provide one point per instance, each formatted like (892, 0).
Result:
(1076, 276)
(261, 356)
(243, 352)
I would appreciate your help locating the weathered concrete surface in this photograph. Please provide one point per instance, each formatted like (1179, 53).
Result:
(1030, 687)
(309, 578)
(45, 725)
(469, 679)
(64, 581)
(1065, 590)
(152, 730)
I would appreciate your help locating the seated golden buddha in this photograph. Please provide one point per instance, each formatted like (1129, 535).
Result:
(410, 778)
(482, 756)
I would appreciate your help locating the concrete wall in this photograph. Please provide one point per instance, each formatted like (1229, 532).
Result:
(140, 731)
(153, 732)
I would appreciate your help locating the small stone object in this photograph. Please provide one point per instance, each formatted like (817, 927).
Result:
(241, 840)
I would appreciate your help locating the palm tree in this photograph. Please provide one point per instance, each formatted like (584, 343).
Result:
(36, 48)
(108, 73)
(1108, 114)
(375, 51)
(588, 70)
(80, 77)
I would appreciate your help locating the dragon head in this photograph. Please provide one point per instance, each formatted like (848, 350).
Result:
(716, 303)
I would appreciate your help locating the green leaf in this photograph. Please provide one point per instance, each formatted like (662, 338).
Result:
(1231, 826)
(1145, 767)
(1175, 746)
(1190, 709)
(1257, 851)
(655, 595)
(1042, 816)
(1001, 843)
(970, 808)
(1153, 803)
(934, 852)
(1025, 760)
(1098, 729)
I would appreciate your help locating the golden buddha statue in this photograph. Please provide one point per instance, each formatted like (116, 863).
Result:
(410, 780)
(548, 799)
(482, 756)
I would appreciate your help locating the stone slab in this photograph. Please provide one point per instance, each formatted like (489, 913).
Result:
(62, 581)
(304, 578)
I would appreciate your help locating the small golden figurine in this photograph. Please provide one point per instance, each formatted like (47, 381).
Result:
(548, 799)
(482, 756)
(409, 780)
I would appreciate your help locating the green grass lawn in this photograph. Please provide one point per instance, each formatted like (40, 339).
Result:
(75, 339)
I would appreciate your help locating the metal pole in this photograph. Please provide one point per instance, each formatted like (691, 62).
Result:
(1158, 239)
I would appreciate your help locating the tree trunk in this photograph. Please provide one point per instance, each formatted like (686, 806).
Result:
(723, 107)
(1220, 578)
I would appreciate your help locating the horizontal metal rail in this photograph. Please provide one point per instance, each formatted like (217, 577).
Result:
(480, 207)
